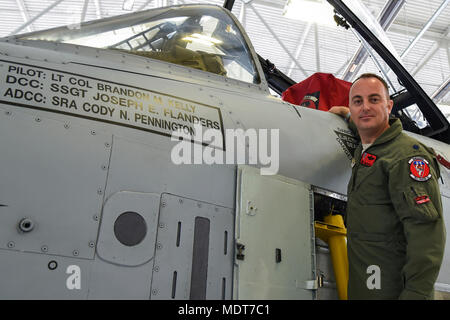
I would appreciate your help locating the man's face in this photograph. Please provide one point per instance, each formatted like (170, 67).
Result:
(370, 107)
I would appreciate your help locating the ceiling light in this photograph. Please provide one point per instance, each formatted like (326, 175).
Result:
(317, 11)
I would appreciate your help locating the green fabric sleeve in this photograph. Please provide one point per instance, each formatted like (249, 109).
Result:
(423, 228)
(411, 295)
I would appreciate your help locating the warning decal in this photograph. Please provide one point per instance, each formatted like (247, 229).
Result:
(95, 99)
(347, 141)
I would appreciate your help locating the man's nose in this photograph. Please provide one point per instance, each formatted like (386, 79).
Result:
(365, 105)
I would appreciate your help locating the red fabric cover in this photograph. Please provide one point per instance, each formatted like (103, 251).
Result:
(320, 91)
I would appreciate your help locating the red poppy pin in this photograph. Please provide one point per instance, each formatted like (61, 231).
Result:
(419, 169)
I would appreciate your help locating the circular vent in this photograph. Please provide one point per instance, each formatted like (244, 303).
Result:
(130, 228)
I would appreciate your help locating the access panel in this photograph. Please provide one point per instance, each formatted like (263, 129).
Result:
(52, 182)
(274, 238)
(194, 250)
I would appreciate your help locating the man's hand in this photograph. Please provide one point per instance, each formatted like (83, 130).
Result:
(340, 110)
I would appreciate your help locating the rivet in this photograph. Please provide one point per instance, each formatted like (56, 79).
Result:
(93, 132)
(162, 225)
(44, 248)
(159, 246)
(75, 253)
(95, 217)
(99, 191)
(66, 125)
(180, 200)
(163, 204)
(107, 144)
(38, 119)
(91, 244)
(156, 269)
(154, 292)
(11, 244)
(8, 113)
(104, 167)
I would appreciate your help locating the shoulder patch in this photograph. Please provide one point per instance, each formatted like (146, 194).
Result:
(419, 169)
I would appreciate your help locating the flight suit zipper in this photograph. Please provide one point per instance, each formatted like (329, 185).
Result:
(356, 167)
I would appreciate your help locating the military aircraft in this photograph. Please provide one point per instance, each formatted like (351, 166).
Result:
(115, 181)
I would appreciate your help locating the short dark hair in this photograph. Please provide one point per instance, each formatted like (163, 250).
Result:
(373, 75)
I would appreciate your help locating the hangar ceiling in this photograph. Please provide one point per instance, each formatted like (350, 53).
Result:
(418, 29)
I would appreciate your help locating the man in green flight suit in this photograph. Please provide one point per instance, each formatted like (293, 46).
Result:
(396, 233)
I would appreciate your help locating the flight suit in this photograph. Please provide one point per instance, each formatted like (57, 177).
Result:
(396, 233)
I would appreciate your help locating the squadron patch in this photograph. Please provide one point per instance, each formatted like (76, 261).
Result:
(311, 98)
(368, 159)
(419, 169)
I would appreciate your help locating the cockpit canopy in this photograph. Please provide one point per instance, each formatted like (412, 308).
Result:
(204, 37)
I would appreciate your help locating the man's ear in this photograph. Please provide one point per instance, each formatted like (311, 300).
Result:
(390, 105)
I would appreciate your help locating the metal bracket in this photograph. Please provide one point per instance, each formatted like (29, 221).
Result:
(310, 284)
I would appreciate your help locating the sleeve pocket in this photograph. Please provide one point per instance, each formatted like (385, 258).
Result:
(419, 212)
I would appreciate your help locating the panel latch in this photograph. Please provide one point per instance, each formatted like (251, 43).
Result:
(240, 248)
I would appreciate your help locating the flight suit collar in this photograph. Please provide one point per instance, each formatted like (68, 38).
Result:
(390, 133)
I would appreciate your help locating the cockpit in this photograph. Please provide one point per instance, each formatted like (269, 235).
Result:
(204, 38)
(208, 38)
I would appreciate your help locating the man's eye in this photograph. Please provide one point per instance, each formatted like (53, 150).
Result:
(374, 100)
(357, 102)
